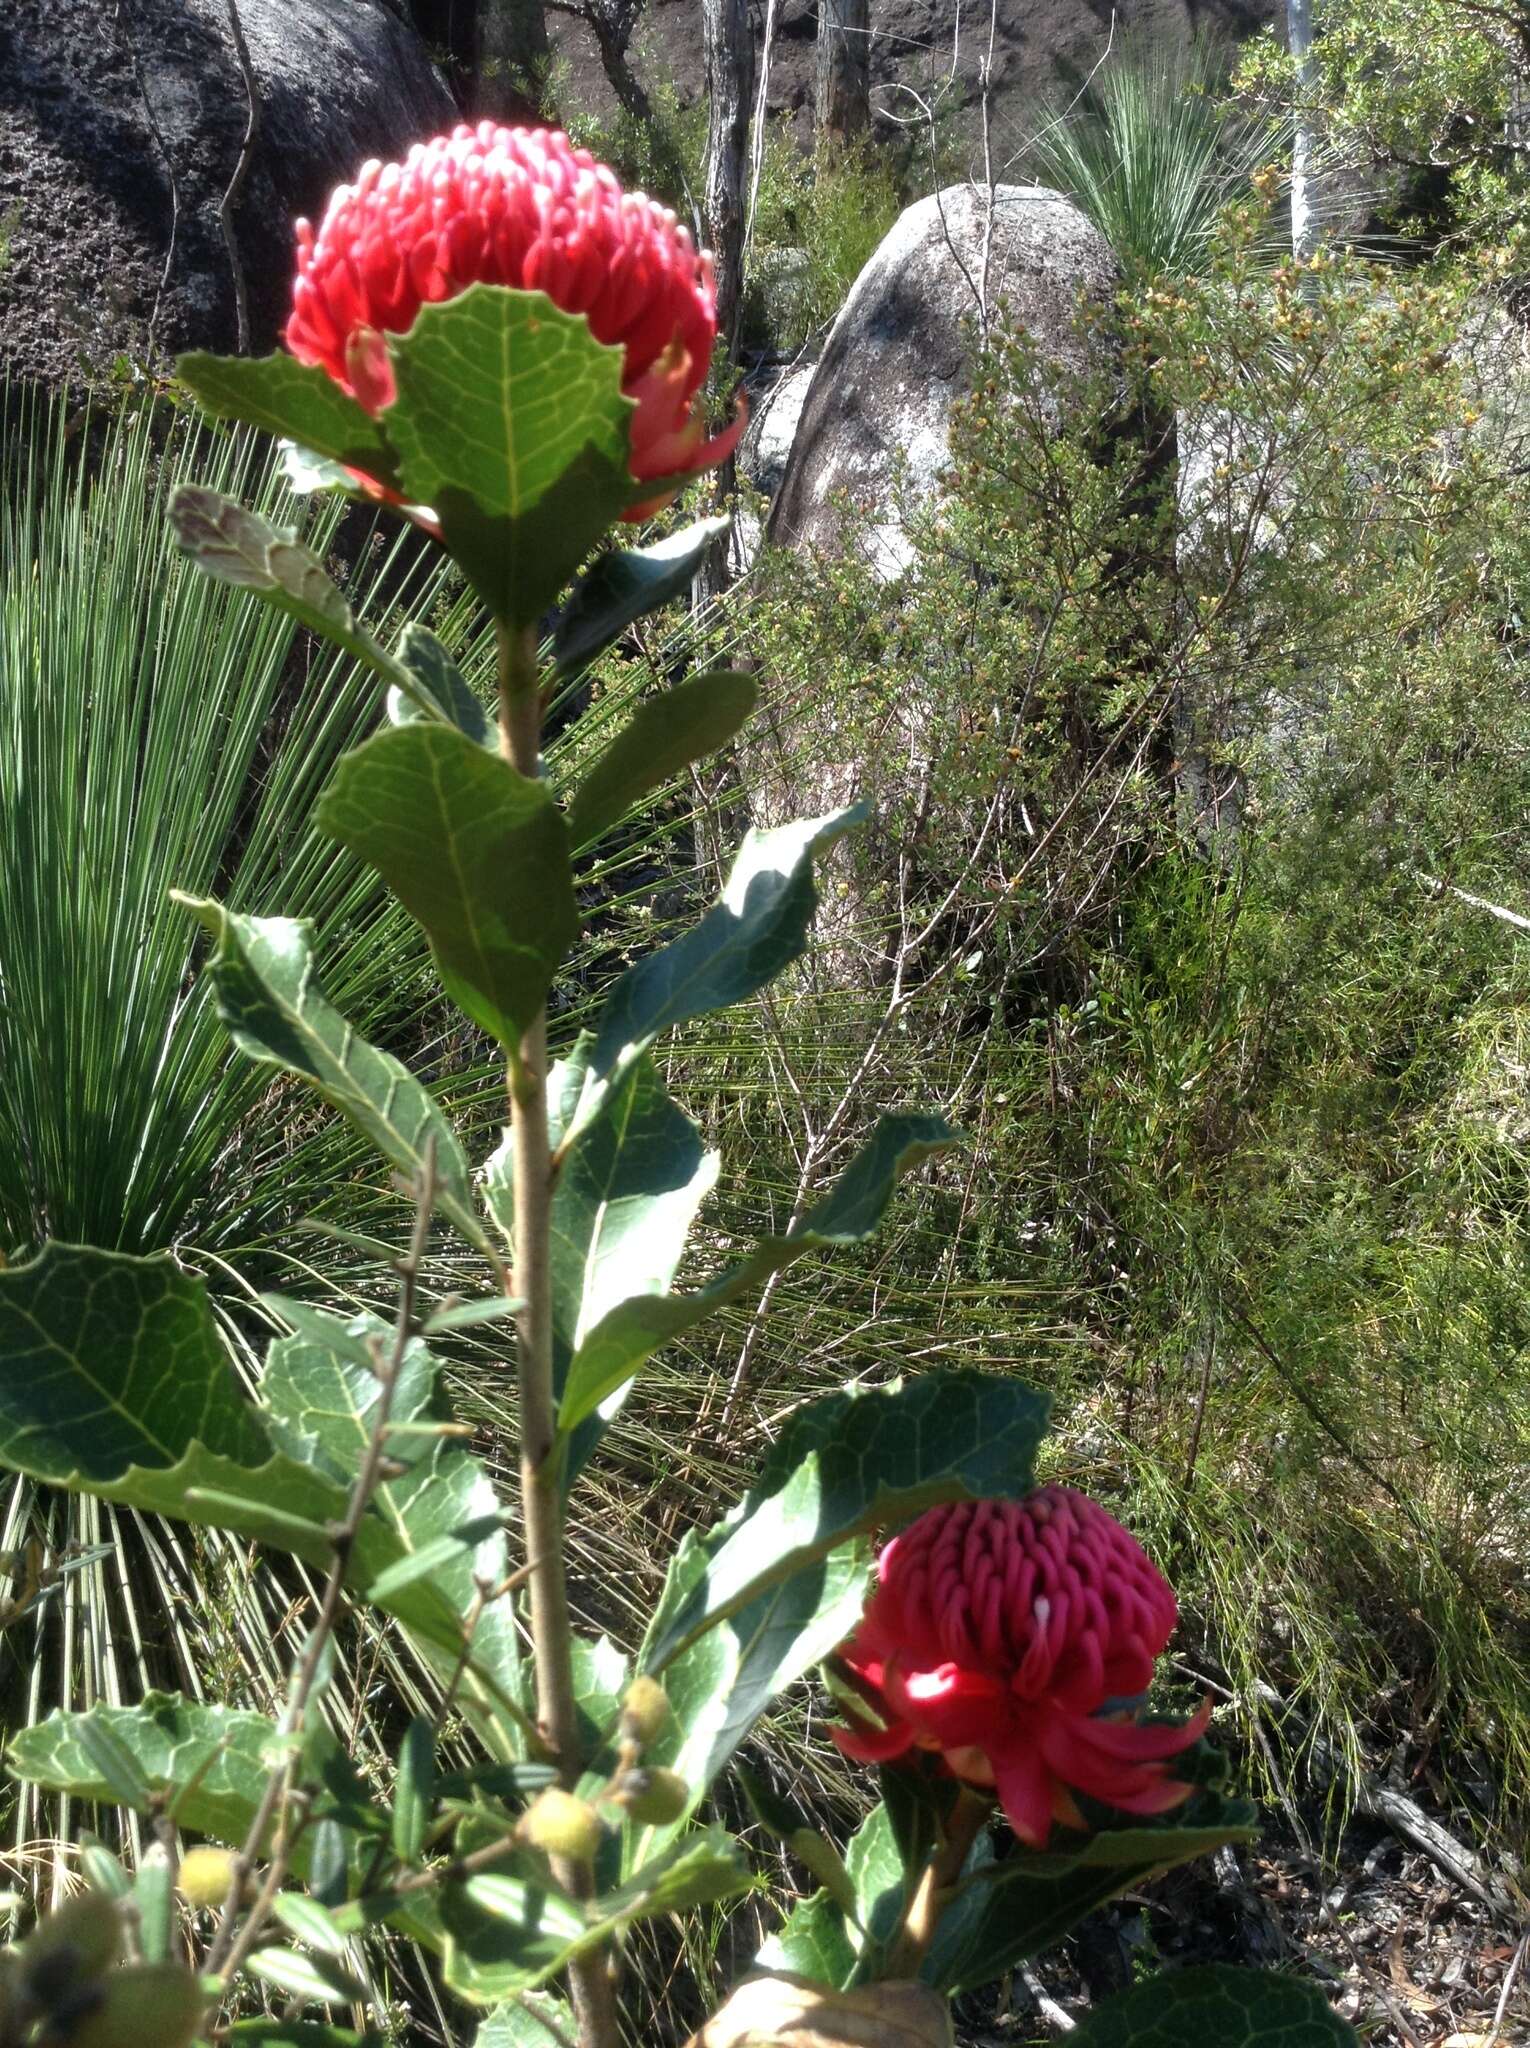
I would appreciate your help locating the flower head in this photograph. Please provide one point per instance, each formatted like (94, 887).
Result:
(1011, 1637)
(520, 207)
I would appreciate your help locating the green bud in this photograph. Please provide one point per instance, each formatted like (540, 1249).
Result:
(71, 1948)
(156, 2002)
(560, 1825)
(645, 1711)
(654, 1798)
(825, 1862)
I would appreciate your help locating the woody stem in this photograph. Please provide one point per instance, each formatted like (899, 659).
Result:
(552, 1639)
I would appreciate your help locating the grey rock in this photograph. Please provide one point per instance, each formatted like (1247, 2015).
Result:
(114, 120)
(875, 423)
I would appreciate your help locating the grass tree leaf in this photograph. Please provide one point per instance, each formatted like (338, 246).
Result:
(294, 401)
(477, 853)
(108, 1360)
(664, 734)
(1216, 2003)
(270, 997)
(612, 1348)
(626, 584)
(757, 928)
(511, 425)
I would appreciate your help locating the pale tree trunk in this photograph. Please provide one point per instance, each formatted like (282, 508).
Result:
(1304, 227)
(514, 57)
(842, 107)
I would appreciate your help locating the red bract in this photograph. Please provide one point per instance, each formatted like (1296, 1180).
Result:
(1010, 1636)
(519, 207)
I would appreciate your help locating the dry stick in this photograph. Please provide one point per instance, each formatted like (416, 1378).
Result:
(520, 715)
(229, 1950)
(236, 182)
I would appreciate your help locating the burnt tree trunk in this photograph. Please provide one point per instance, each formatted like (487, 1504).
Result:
(842, 105)
(729, 46)
(513, 59)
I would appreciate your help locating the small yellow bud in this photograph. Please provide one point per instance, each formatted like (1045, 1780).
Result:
(645, 1711)
(205, 1875)
(654, 1798)
(560, 1825)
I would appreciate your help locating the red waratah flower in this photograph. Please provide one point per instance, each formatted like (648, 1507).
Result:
(1010, 1636)
(519, 207)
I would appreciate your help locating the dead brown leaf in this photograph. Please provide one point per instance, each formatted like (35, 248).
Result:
(792, 2012)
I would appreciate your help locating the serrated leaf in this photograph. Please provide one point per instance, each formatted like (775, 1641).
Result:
(292, 400)
(477, 853)
(757, 928)
(511, 425)
(626, 584)
(321, 1393)
(109, 1360)
(210, 1762)
(229, 542)
(439, 680)
(1020, 1905)
(538, 2019)
(666, 733)
(752, 1604)
(616, 1346)
(1220, 2005)
(814, 1942)
(271, 1000)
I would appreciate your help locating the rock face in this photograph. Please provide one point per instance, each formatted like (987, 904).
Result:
(876, 419)
(119, 131)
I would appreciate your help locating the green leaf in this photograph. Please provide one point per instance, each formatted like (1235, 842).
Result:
(212, 1763)
(478, 855)
(237, 546)
(439, 680)
(751, 1604)
(295, 401)
(538, 2019)
(321, 1392)
(154, 2001)
(1220, 2005)
(309, 1922)
(269, 2033)
(270, 998)
(511, 425)
(506, 1936)
(414, 1789)
(626, 584)
(626, 1336)
(1017, 1907)
(302, 1977)
(106, 1361)
(628, 1191)
(756, 929)
(814, 1943)
(875, 1864)
(665, 733)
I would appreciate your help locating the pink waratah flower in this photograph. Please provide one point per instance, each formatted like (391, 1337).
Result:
(1009, 1636)
(519, 207)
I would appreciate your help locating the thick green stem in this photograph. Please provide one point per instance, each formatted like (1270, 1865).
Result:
(911, 1944)
(531, 1281)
